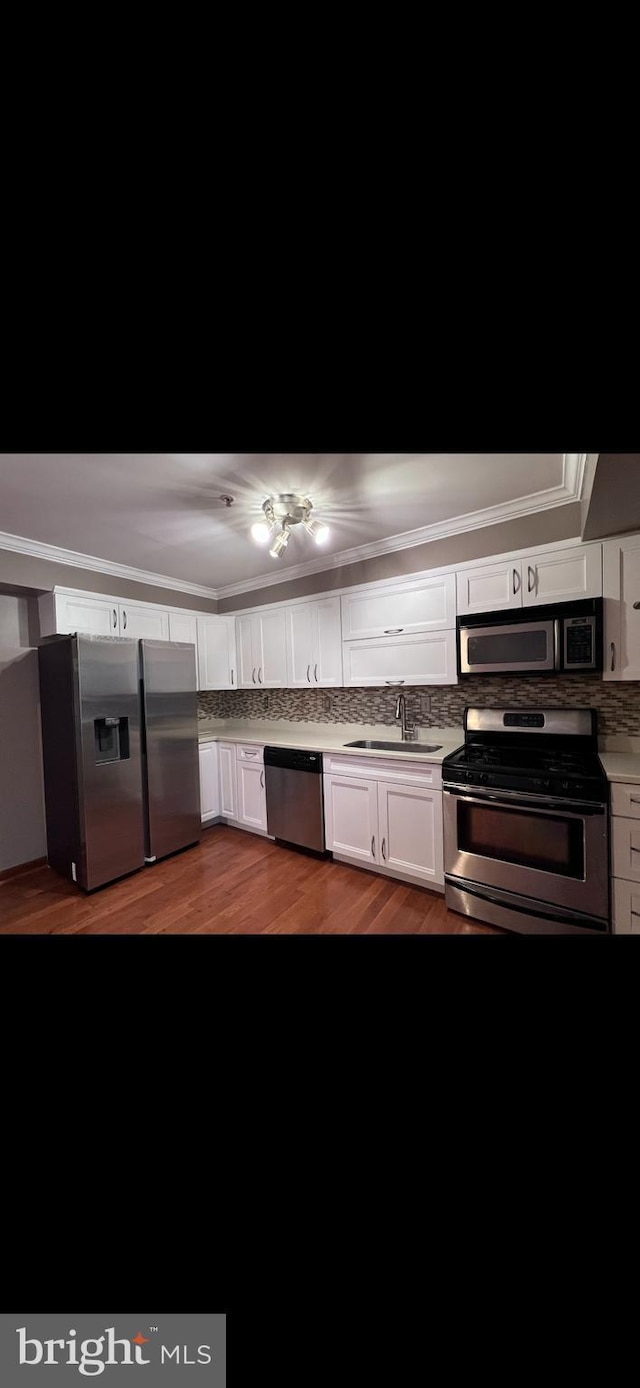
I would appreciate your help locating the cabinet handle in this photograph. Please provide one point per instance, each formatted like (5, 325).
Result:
(383, 852)
(515, 582)
(373, 845)
(115, 619)
(232, 676)
(393, 631)
(259, 674)
(308, 675)
(633, 799)
(253, 676)
(636, 606)
(394, 681)
(124, 618)
(262, 779)
(613, 655)
(315, 673)
(531, 578)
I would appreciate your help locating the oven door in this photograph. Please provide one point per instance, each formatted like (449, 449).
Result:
(550, 851)
(501, 649)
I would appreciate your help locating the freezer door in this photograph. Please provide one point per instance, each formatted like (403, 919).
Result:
(109, 764)
(168, 673)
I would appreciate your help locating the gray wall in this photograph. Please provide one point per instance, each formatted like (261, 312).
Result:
(22, 823)
(614, 508)
(542, 528)
(25, 571)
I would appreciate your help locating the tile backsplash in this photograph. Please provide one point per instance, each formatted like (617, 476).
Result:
(437, 706)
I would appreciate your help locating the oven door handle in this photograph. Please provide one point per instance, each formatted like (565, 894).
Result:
(568, 808)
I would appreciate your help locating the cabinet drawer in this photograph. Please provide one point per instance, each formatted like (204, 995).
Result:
(246, 752)
(625, 800)
(625, 858)
(625, 907)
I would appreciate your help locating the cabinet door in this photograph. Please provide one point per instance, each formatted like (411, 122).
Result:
(270, 649)
(97, 616)
(227, 770)
(351, 817)
(252, 799)
(247, 673)
(410, 828)
(426, 659)
(327, 659)
(489, 587)
(301, 625)
(216, 653)
(563, 575)
(149, 622)
(424, 605)
(621, 587)
(625, 849)
(183, 627)
(209, 785)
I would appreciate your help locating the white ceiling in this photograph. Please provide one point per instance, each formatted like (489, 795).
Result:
(161, 513)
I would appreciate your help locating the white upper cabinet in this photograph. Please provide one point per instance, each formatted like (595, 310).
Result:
(425, 658)
(217, 667)
(150, 622)
(62, 613)
(427, 604)
(563, 575)
(183, 627)
(262, 650)
(314, 645)
(621, 574)
(489, 587)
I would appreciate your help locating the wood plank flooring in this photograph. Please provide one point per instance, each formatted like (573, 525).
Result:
(231, 883)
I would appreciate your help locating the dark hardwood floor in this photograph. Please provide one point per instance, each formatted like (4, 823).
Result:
(231, 883)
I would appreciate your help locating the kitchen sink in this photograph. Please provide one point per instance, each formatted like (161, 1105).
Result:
(396, 746)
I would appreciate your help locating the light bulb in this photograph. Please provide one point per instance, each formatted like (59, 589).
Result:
(317, 530)
(280, 544)
(260, 532)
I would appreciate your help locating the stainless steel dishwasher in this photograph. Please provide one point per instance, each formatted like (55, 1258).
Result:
(295, 809)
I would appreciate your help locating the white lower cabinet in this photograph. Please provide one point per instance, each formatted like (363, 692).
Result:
(388, 817)
(228, 790)
(209, 782)
(625, 859)
(252, 798)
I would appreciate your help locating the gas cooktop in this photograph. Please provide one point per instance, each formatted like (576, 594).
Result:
(550, 752)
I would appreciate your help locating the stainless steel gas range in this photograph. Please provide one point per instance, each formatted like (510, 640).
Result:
(526, 822)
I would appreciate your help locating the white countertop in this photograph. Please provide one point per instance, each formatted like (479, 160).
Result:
(329, 737)
(620, 757)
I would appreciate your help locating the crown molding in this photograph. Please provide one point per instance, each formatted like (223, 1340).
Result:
(568, 491)
(38, 550)
(573, 473)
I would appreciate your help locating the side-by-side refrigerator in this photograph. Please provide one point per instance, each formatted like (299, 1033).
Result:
(120, 751)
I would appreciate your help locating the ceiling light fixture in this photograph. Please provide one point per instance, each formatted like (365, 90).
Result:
(287, 509)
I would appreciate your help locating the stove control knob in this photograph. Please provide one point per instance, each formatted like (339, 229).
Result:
(483, 777)
(471, 776)
(546, 785)
(564, 785)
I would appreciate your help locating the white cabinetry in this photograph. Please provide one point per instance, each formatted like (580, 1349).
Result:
(621, 586)
(427, 604)
(314, 644)
(386, 815)
(183, 627)
(625, 858)
(61, 613)
(563, 575)
(252, 796)
(209, 782)
(262, 650)
(216, 652)
(151, 622)
(227, 770)
(425, 658)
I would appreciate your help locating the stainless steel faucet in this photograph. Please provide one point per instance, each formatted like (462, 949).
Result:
(408, 729)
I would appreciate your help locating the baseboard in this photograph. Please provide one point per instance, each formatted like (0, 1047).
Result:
(22, 867)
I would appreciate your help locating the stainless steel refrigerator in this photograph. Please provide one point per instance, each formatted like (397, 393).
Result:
(120, 751)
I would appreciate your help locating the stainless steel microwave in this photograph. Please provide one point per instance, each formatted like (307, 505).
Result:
(560, 639)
